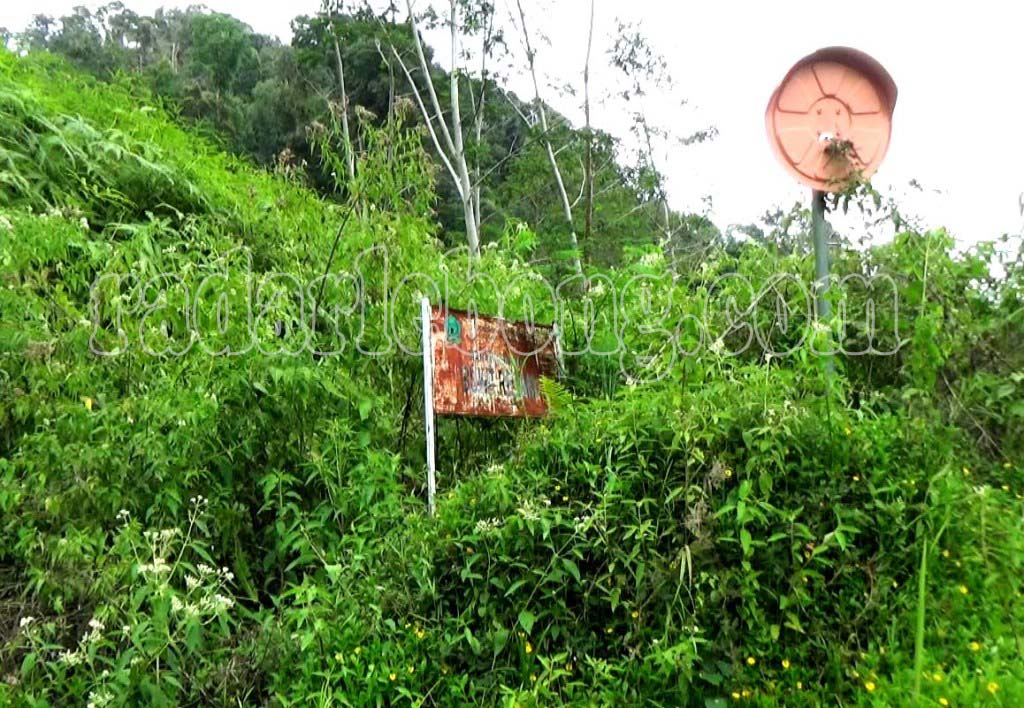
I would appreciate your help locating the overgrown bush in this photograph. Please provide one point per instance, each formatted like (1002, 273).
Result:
(178, 527)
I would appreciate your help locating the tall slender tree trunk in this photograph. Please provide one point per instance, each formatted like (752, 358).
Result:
(468, 207)
(449, 143)
(588, 168)
(350, 160)
(559, 182)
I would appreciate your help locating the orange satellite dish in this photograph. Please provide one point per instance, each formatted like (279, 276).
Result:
(831, 117)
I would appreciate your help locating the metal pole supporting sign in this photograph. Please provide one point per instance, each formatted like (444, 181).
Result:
(428, 401)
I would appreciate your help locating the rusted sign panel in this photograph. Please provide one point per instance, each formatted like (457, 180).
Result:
(485, 366)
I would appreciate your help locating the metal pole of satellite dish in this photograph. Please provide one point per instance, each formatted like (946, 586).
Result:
(820, 230)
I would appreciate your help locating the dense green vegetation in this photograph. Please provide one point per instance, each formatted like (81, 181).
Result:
(180, 526)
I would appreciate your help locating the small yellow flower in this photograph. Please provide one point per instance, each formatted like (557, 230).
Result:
(746, 693)
(937, 677)
(728, 473)
(420, 634)
(785, 663)
(338, 656)
(88, 403)
(565, 498)
(966, 471)
(963, 590)
(412, 669)
(945, 553)
(992, 687)
(856, 478)
(975, 646)
(1006, 487)
(958, 564)
(943, 701)
(558, 487)
(751, 661)
(799, 685)
(393, 676)
(736, 695)
(635, 614)
(848, 430)
(609, 630)
(869, 685)
(1007, 465)
(529, 648)
(358, 650)
(470, 550)
(533, 678)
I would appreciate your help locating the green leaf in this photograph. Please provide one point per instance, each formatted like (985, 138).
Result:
(526, 620)
(745, 542)
(572, 568)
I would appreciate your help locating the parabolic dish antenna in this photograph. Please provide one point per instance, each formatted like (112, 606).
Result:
(831, 117)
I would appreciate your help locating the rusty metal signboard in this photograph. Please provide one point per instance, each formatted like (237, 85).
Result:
(481, 366)
(485, 366)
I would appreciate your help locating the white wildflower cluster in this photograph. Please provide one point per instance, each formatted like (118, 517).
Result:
(530, 509)
(100, 699)
(95, 632)
(203, 606)
(74, 657)
(204, 596)
(163, 536)
(488, 525)
(158, 567)
(495, 468)
(26, 622)
(224, 575)
(71, 658)
(717, 347)
(124, 516)
(597, 290)
(652, 259)
(5, 223)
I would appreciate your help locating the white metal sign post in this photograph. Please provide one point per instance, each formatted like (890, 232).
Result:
(428, 401)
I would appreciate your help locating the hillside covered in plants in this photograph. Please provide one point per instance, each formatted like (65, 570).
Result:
(212, 486)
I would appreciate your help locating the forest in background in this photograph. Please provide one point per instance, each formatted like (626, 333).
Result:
(700, 525)
(267, 101)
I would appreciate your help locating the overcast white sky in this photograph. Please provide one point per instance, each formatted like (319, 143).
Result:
(959, 120)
